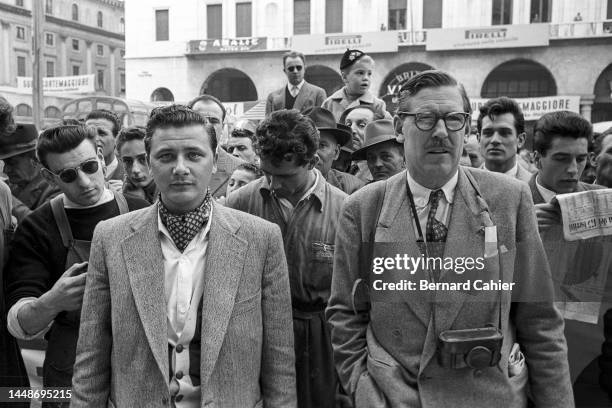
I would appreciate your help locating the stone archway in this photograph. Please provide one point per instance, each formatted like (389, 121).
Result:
(519, 78)
(230, 85)
(325, 77)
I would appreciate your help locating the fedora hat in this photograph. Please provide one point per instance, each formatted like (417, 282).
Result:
(22, 140)
(326, 123)
(376, 132)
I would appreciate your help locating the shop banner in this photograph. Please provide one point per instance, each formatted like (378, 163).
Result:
(71, 84)
(534, 108)
(316, 44)
(219, 46)
(501, 36)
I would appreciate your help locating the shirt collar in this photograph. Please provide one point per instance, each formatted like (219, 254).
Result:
(340, 94)
(512, 172)
(421, 194)
(546, 194)
(111, 167)
(106, 197)
(317, 189)
(299, 86)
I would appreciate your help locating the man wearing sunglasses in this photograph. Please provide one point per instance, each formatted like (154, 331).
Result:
(46, 268)
(424, 347)
(297, 94)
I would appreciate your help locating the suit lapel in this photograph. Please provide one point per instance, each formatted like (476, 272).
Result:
(218, 179)
(225, 260)
(301, 97)
(395, 225)
(279, 99)
(144, 263)
(535, 193)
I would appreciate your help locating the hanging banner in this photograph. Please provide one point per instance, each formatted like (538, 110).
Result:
(534, 108)
(500, 36)
(71, 84)
(372, 42)
(219, 46)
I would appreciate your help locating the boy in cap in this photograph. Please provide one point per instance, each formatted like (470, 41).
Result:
(356, 69)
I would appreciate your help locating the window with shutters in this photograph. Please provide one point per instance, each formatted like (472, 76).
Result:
(100, 79)
(214, 21)
(243, 20)
(301, 17)
(50, 39)
(432, 14)
(76, 70)
(49, 7)
(161, 25)
(100, 19)
(20, 32)
(50, 68)
(333, 16)
(75, 12)
(21, 66)
(502, 12)
(397, 15)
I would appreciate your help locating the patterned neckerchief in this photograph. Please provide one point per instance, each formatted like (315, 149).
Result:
(184, 227)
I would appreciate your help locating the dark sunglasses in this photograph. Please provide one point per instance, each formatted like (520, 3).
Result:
(71, 174)
(294, 68)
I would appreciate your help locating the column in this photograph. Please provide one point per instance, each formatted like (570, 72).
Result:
(6, 53)
(586, 106)
(63, 68)
(89, 58)
(113, 71)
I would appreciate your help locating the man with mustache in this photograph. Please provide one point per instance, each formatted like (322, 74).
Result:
(501, 128)
(417, 348)
(561, 141)
(298, 94)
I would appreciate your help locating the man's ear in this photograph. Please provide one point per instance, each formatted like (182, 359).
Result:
(46, 174)
(398, 124)
(537, 158)
(521, 140)
(343, 75)
(337, 152)
(593, 159)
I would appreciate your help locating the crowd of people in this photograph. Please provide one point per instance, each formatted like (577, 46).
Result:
(176, 265)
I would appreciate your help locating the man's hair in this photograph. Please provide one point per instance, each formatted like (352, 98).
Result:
(108, 115)
(293, 54)
(243, 133)
(499, 106)
(287, 132)
(129, 133)
(62, 139)
(208, 98)
(377, 114)
(176, 116)
(348, 69)
(431, 79)
(7, 123)
(250, 167)
(559, 124)
(598, 139)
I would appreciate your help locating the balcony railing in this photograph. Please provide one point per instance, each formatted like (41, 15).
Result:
(581, 29)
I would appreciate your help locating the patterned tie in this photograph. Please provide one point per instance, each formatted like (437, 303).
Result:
(184, 227)
(435, 231)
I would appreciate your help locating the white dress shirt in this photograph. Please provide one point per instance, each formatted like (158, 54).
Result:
(421, 201)
(290, 87)
(546, 194)
(184, 281)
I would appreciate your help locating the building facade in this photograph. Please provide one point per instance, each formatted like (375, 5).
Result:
(80, 38)
(557, 53)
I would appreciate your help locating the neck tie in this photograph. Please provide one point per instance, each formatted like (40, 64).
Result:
(435, 231)
(184, 227)
(294, 91)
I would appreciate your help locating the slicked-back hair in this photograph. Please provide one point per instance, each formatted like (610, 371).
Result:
(499, 106)
(287, 132)
(129, 133)
(176, 116)
(251, 168)
(430, 79)
(108, 115)
(559, 124)
(243, 133)
(208, 98)
(294, 54)
(377, 115)
(62, 139)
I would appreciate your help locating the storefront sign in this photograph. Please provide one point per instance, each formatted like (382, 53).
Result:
(502, 36)
(534, 108)
(218, 46)
(71, 84)
(384, 41)
(398, 77)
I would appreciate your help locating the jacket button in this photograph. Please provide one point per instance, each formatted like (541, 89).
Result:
(179, 375)
(179, 348)
(178, 398)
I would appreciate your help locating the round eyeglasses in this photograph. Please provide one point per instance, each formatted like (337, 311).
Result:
(425, 121)
(71, 174)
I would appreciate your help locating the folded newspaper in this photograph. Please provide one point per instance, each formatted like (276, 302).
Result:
(586, 214)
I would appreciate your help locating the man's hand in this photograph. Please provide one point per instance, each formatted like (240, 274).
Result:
(67, 293)
(548, 215)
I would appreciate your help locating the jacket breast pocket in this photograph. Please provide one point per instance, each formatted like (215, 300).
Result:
(245, 305)
(321, 266)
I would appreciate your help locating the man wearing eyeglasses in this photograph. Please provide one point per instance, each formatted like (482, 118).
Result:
(444, 345)
(46, 268)
(298, 94)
